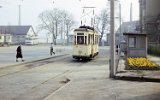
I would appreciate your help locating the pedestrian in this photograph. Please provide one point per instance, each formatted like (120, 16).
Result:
(117, 49)
(19, 53)
(51, 49)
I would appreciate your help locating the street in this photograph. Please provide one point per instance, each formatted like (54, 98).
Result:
(63, 78)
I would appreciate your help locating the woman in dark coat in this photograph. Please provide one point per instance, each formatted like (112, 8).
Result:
(19, 53)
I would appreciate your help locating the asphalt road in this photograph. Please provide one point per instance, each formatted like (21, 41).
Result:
(62, 78)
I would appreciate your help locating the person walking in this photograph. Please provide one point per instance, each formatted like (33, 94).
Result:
(51, 49)
(117, 49)
(19, 53)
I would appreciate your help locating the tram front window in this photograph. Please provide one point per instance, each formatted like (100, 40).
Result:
(80, 39)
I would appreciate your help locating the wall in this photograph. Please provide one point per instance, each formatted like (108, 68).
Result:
(152, 7)
(18, 39)
(1, 38)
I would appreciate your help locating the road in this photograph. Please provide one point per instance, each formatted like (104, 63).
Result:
(62, 78)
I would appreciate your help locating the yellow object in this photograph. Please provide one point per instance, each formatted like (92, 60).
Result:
(141, 62)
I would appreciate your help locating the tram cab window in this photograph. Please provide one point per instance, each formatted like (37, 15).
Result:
(80, 39)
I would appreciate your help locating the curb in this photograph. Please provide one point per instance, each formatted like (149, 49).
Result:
(136, 78)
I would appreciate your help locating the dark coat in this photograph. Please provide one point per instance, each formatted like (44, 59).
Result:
(19, 52)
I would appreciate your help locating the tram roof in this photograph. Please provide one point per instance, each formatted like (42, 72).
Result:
(84, 28)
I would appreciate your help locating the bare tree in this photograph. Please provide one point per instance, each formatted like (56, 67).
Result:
(102, 24)
(68, 23)
(55, 21)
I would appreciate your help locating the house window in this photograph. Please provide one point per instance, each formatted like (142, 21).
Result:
(0, 37)
(132, 42)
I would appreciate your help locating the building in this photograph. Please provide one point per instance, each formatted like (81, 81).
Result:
(62, 41)
(18, 34)
(5, 39)
(126, 27)
(150, 20)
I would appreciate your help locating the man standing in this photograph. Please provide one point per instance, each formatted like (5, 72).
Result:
(19, 53)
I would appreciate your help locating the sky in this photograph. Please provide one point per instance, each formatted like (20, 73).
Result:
(30, 9)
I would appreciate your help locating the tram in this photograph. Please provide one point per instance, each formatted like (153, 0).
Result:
(85, 45)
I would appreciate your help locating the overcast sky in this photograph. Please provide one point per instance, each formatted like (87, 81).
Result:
(30, 9)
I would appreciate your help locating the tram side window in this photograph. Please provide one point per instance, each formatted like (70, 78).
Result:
(96, 39)
(85, 40)
(93, 39)
(74, 39)
(80, 39)
(89, 39)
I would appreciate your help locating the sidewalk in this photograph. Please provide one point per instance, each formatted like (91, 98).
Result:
(29, 56)
(138, 75)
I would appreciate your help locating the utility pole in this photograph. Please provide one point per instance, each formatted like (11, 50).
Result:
(131, 12)
(19, 20)
(112, 45)
(120, 19)
(140, 15)
(19, 7)
(120, 26)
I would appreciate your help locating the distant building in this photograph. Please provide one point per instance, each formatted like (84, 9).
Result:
(126, 27)
(71, 39)
(5, 39)
(150, 20)
(61, 41)
(18, 34)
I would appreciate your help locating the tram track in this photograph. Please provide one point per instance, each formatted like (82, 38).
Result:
(62, 82)
(61, 78)
(48, 86)
(9, 70)
(78, 63)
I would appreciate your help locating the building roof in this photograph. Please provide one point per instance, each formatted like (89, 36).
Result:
(15, 30)
(129, 27)
(135, 34)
